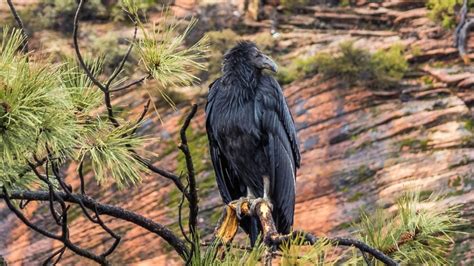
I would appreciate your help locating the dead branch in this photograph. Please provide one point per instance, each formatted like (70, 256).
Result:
(64, 237)
(193, 197)
(109, 210)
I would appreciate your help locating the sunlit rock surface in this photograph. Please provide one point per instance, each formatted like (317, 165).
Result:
(360, 148)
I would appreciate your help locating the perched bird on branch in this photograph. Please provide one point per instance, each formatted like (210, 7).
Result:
(252, 137)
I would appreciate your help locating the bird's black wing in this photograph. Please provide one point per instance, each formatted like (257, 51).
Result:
(227, 182)
(281, 149)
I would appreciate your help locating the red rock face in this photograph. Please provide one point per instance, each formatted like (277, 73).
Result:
(360, 147)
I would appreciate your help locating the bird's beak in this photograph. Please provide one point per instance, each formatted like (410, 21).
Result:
(268, 63)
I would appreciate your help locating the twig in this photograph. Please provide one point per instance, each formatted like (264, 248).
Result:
(133, 83)
(58, 253)
(124, 59)
(81, 177)
(142, 116)
(193, 197)
(96, 220)
(78, 51)
(180, 219)
(19, 22)
(164, 173)
(245, 248)
(45, 179)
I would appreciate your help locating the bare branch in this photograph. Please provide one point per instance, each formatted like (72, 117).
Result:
(180, 219)
(81, 177)
(193, 197)
(20, 215)
(124, 59)
(142, 116)
(110, 210)
(59, 253)
(133, 83)
(19, 22)
(164, 173)
(78, 51)
(96, 220)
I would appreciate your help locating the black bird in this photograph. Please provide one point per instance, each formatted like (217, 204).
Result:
(252, 136)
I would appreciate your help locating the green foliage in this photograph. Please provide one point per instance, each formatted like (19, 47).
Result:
(117, 13)
(110, 47)
(15, 176)
(85, 98)
(417, 233)
(443, 11)
(233, 257)
(265, 42)
(469, 125)
(58, 14)
(414, 144)
(344, 3)
(293, 4)
(46, 107)
(380, 70)
(295, 253)
(163, 54)
(36, 110)
(108, 149)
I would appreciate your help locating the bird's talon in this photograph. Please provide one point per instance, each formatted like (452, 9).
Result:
(238, 209)
(257, 201)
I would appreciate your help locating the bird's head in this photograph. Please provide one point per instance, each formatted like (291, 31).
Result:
(246, 54)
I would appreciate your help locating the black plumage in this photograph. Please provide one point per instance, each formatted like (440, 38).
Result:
(252, 136)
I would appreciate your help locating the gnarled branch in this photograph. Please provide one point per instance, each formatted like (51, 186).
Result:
(109, 210)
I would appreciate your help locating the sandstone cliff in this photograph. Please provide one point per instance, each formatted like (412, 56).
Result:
(360, 148)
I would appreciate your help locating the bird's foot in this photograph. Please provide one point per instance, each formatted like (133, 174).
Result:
(238, 209)
(257, 201)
